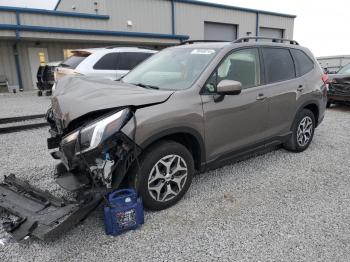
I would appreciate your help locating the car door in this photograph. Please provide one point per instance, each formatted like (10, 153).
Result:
(234, 122)
(282, 88)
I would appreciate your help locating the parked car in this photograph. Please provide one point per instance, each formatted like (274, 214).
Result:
(339, 87)
(46, 78)
(107, 62)
(186, 109)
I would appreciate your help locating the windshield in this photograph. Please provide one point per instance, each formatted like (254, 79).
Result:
(171, 69)
(345, 70)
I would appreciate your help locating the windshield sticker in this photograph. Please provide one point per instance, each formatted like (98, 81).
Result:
(203, 52)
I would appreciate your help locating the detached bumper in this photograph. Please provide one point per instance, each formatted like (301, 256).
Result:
(39, 213)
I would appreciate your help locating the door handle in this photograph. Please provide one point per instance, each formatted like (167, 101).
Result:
(261, 97)
(300, 88)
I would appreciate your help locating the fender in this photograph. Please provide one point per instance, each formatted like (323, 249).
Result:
(309, 102)
(177, 130)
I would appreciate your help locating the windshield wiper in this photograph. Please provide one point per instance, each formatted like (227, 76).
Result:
(147, 86)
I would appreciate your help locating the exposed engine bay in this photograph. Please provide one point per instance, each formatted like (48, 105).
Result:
(98, 151)
(94, 160)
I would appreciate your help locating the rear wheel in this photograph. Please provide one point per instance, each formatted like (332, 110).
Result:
(329, 104)
(164, 174)
(40, 93)
(302, 131)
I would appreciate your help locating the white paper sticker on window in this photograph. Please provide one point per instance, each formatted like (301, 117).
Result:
(203, 52)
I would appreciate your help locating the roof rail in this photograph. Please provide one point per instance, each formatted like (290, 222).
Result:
(188, 42)
(275, 40)
(127, 46)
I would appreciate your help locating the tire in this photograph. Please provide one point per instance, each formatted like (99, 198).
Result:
(328, 104)
(159, 186)
(304, 117)
(40, 93)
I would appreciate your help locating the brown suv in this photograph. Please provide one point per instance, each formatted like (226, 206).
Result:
(186, 109)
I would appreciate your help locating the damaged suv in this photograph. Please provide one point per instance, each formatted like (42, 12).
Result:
(187, 109)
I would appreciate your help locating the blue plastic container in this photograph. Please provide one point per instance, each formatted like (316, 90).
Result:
(123, 212)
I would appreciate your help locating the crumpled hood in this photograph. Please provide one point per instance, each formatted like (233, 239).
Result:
(76, 96)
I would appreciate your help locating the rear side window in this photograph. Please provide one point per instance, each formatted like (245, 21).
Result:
(127, 61)
(279, 65)
(73, 61)
(120, 61)
(303, 64)
(107, 62)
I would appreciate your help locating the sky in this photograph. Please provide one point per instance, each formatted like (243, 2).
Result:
(322, 26)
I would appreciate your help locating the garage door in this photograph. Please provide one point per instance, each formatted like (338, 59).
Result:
(219, 31)
(271, 32)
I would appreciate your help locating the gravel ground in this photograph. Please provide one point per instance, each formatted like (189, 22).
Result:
(22, 104)
(279, 206)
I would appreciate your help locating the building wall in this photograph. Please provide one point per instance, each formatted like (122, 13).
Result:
(279, 22)
(83, 6)
(7, 62)
(190, 19)
(151, 16)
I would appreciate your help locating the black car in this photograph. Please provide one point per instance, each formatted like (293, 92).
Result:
(46, 78)
(339, 87)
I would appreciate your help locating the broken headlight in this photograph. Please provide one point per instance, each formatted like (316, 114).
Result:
(92, 135)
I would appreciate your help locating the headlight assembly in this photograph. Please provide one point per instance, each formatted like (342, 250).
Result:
(97, 132)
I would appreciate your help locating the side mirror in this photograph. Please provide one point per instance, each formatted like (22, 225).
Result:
(229, 87)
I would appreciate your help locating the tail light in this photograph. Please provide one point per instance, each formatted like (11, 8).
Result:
(325, 78)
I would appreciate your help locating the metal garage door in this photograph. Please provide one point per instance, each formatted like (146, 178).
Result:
(271, 32)
(219, 31)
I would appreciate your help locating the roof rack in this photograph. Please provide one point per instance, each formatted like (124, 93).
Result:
(274, 40)
(128, 46)
(188, 42)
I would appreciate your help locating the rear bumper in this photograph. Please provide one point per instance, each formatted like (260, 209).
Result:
(39, 213)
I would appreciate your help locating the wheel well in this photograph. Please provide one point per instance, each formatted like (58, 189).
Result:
(190, 142)
(314, 109)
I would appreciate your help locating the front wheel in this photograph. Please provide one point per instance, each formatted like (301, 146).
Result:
(163, 175)
(302, 131)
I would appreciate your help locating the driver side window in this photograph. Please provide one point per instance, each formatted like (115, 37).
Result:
(242, 66)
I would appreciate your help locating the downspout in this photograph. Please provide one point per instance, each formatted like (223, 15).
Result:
(173, 29)
(15, 52)
(257, 25)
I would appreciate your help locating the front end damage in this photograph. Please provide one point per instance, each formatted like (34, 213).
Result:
(339, 89)
(95, 157)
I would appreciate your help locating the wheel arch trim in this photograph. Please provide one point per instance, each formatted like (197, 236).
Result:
(178, 130)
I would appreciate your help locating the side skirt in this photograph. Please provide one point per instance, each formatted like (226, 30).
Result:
(246, 152)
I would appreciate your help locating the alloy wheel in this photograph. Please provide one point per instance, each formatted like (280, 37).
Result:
(167, 178)
(304, 132)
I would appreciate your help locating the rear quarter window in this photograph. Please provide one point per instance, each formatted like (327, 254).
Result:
(303, 64)
(121, 61)
(279, 65)
(73, 61)
(128, 61)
